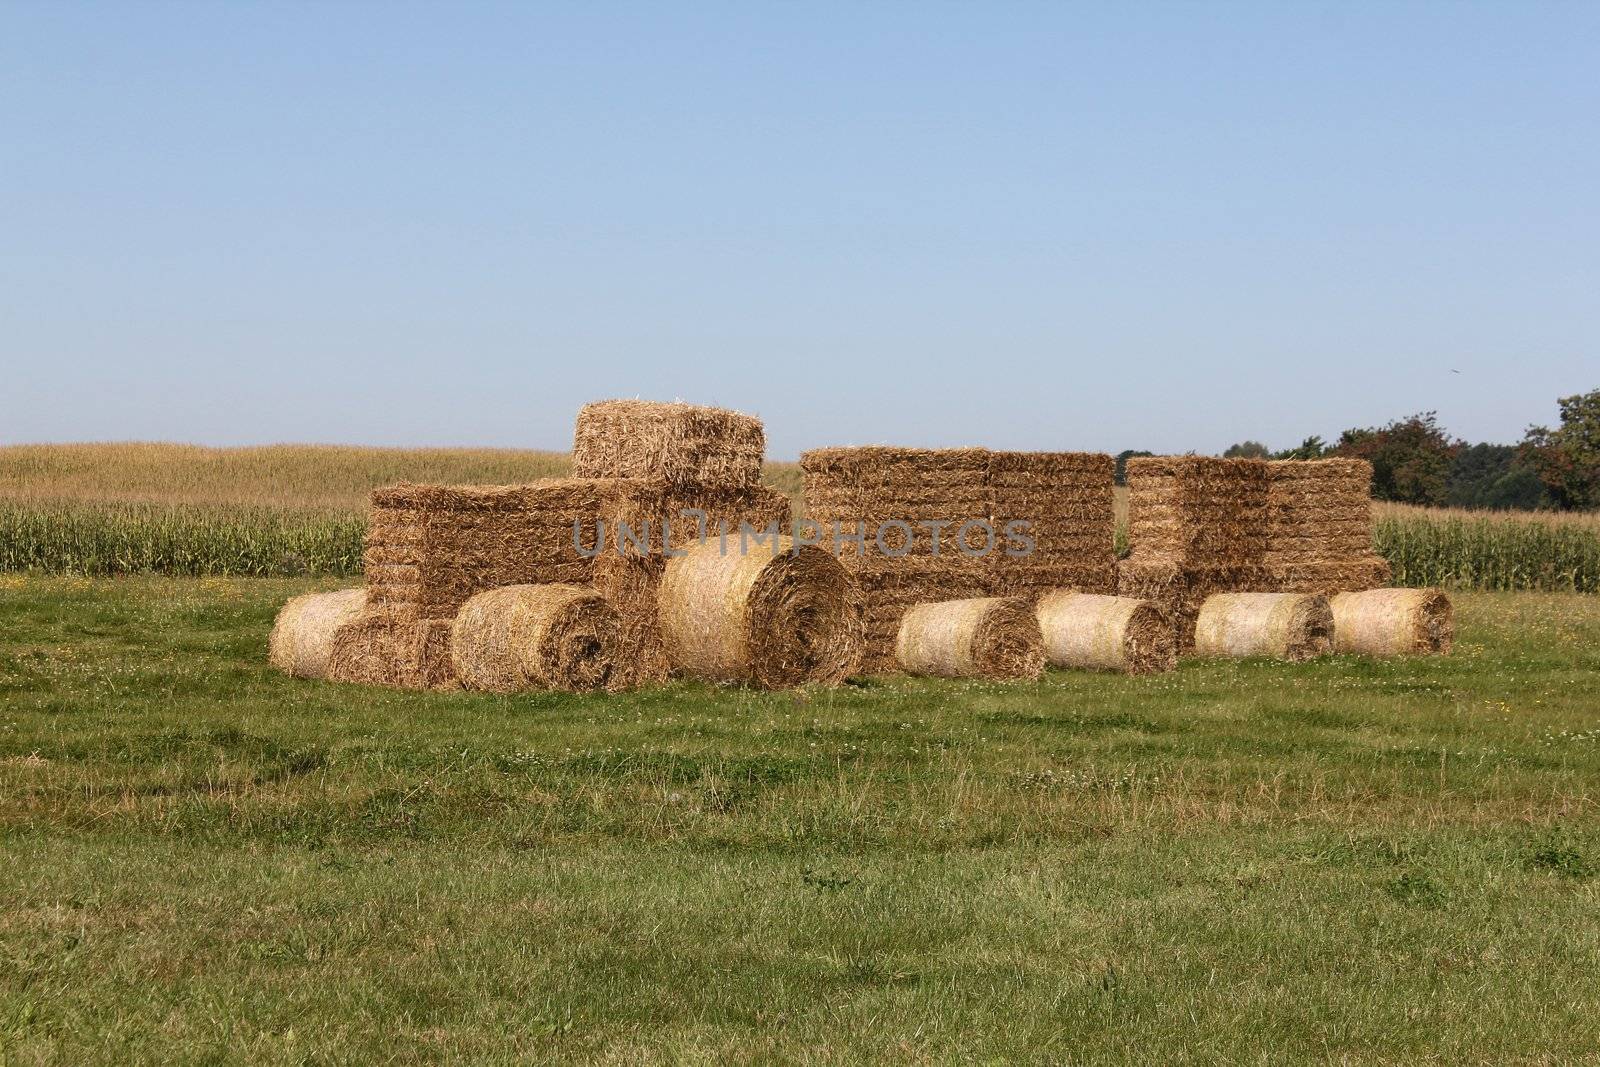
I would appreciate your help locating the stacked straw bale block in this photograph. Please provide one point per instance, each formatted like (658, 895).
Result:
(1065, 497)
(1196, 526)
(431, 547)
(678, 443)
(1319, 527)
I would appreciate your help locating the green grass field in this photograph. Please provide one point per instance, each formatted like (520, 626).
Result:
(1355, 861)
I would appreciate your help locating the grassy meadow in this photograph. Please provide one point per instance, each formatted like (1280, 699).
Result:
(294, 510)
(1348, 860)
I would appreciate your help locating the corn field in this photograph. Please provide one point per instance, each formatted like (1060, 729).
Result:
(1490, 553)
(76, 537)
(70, 537)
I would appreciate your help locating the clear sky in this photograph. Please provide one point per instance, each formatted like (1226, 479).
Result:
(1041, 225)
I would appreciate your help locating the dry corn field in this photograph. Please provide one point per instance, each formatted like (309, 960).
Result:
(287, 510)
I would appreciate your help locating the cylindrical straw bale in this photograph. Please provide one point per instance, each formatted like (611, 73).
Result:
(777, 615)
(1294, 626)
(302, 636)
(1111, 633)
(987, 637)
(521, 637)
(1393, 622)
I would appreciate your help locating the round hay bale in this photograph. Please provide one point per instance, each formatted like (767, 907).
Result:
(773, 617)
(987, 637)
(521, 637)
(1393, 622)
(1107, 633)
(302, 636)
(1294, 626)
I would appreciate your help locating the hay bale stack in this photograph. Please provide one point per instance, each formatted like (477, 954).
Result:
(302, 636)
(1293, 626)
(1067, 499)
(1393, 622)
(1196, 527)
(678, 443)
(378, 648)
(1109, 633)
(984, 637)
(773, 620)
(522, 637)
(1319, 527)
(898, 489)
(431, 547)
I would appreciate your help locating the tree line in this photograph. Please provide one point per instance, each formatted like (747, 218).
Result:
(1416, 461)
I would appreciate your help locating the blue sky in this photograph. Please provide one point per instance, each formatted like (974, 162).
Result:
(1079, 226)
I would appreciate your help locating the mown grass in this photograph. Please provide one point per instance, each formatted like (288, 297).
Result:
(1250, 861)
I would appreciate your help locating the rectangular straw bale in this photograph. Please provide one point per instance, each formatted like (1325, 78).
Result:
(381, 649)
(1327, 578)
(430, 547)
(1067, 499)
(1028, 579)
(1319, 527)
(683, 444)
(1197, 510)
(895, 491)
(643, 504)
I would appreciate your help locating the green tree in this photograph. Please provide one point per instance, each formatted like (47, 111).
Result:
(1411, 458)
(1248, 450)
(1313, 447)
(1568, 457)
(1494, 476)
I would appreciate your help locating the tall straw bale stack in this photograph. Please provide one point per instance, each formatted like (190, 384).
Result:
(431, 547)
(772, 620)
(985, 637)
(943, 515)
(1394, 622)
(1196, 527)
(380, 649)
(1294, 626)
(1319, 527)
(522, 637)
(683, 444)
(1109, 633)
(896, 490)
(302, 635)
